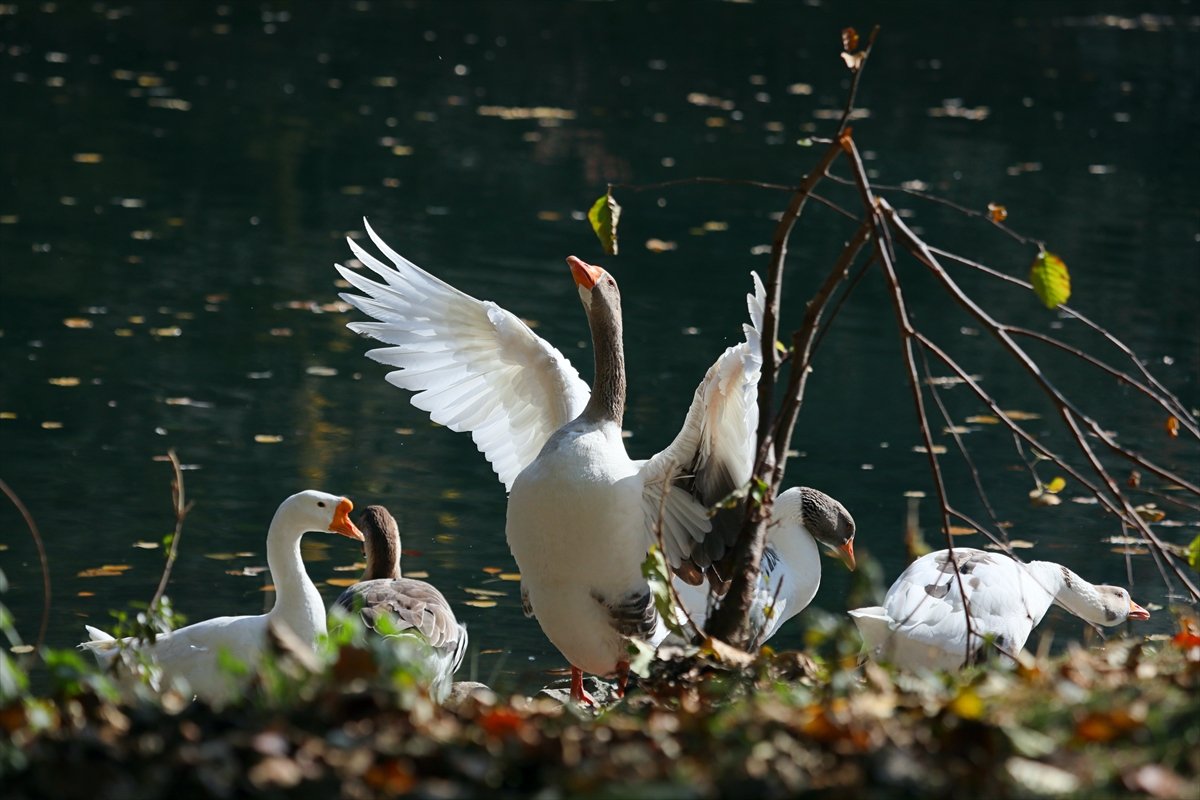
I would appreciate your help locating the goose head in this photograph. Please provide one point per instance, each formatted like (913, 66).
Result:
(1102, 605)
(825, 519)
(381, 543)
(317, 511)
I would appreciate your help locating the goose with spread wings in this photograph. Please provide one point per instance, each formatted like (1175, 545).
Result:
(581, 513)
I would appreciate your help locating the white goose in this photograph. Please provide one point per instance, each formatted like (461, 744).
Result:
(192, 653)
(414, 609)
(922, 624)
(581, 513)
(801, 518)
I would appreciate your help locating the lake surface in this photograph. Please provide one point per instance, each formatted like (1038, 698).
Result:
(178, 180)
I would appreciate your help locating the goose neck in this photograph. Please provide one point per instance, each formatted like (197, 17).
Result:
(1069, 590)
(297, 601)
(607, 403)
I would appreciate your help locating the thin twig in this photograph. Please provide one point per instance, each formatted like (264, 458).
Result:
(703, 179)
(1070, 415)
(886, 256)
(182, 507)
(41, 550)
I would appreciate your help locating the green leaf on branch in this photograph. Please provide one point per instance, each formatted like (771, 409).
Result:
(1050, 279)
(658, 578)
(604, 216)
(1194, 554)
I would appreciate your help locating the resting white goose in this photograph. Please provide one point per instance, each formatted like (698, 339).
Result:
(581, 513)
(801, 518)
(192, 653)
(921, 624)
(413, 608)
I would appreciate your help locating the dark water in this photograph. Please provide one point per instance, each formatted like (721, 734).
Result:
(178, 179)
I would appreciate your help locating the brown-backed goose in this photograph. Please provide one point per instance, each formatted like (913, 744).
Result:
(413, 608)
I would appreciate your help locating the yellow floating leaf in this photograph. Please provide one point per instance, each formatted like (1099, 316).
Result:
(491, 652)
(64, 381)
(142, 545)
(1021, 416)
(105, 571)
(549, 216)
(480, 603)
(937, 449)
(85, 594)
(87, 158)
(1041, 497)
(983, 419)
(1050, 279)
(961, 530)
(51, 425)
(267, 438)
(715, 225)
(1057, 485)
(227, 556)
(342, 582)
(660, 246)
(1172, 427)
(419, 574)
(510, 576)
(77, 322)
(492, 570)
(358, 567)
(270, 587)
(1150, 512)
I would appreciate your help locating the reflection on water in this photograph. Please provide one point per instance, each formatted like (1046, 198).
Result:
(178, 180)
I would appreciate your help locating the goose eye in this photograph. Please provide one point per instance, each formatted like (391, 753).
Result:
(320, 504)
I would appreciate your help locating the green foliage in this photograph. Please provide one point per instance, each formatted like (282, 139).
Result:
(604, 215)
(1193, 555)
(1050, 279)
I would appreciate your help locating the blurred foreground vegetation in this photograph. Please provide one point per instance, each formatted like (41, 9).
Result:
(1120, 719)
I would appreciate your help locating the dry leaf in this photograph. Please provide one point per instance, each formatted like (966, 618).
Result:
(997, 212)
(1172, 427)
(480, 603)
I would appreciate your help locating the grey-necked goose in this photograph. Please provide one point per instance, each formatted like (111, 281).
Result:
(801, 518)
(581, 512)
(922, 623)
(192, 653)
(413, 607)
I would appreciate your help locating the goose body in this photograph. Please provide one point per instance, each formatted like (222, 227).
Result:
(922, 623)
(801, 519)
(414, 609)
(192, 654)
(581, 513)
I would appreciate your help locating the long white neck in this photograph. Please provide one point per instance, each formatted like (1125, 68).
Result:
(297, 601)
(1069, 591)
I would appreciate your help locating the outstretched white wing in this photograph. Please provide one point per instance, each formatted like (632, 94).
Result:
(713, 454)
(472, 365)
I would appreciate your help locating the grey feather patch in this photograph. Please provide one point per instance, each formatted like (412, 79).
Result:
(526, 606)
(632, 614)
(936, 590)
(966, 564)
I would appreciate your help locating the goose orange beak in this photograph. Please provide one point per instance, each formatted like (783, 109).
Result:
(1137, 612)
(341, 521)
(845, 554)
(585, 274)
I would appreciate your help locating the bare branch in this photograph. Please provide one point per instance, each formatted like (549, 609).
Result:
(182, 507)
(41, 549)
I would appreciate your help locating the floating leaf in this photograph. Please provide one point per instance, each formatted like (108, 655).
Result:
(983, 419)
(1050, 279)
(483, 592)
(997, 212)
(1057, 485)
(480, 603)
(1172, 427)
(267, 438)
(419, 574)
(492, 570)
(65, 381)
(509, 576)
(1194, 554)
(1041, 497)
(342, 582)
(1150, 512)
(604, 215)
(105, 571)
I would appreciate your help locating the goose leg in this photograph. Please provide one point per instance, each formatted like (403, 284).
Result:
(578, 693)
(622, 677)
